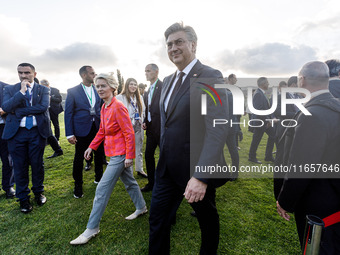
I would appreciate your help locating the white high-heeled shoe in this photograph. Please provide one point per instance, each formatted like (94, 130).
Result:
(137, 213)
(83, 239)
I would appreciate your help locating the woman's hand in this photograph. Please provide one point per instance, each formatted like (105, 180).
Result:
(87, 154)
(128, 163)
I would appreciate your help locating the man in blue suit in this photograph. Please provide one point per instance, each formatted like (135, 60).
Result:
(26, 130)
(82, 119)
(7, 169)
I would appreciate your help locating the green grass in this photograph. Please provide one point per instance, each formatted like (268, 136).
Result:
(249, 221)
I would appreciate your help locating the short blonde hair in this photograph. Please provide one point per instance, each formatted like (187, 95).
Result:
(109, 78)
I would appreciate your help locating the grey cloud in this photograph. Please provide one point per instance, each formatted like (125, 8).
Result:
(74, 56)
(332, 23)
(11, 52)
(56, 60)
(268, 59)
(161, 54)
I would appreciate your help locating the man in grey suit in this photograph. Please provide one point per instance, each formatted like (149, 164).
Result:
(187, 138)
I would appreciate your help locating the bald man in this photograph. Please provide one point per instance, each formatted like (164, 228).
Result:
(315, 140)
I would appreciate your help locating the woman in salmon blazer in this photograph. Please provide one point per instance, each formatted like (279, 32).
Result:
(119, 143)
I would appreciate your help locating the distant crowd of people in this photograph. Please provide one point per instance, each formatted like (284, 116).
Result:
(101, 123)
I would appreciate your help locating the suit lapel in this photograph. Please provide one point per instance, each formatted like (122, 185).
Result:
(194, 73)
(265, 99)
(165, 91)
(35, 93)
(154, 94)
(2, 86)
(83, 94)
(98, 99)
(314, 100)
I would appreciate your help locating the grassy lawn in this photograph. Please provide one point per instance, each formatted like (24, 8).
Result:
(249, 222)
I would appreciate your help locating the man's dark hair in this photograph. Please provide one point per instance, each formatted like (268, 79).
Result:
(292, 80)
(261, 81)
(141, 86)
(334, 67)
(83, 69)
(282, 84)
(27, 64)
(231, 76)
(176, 27)
(153, 67)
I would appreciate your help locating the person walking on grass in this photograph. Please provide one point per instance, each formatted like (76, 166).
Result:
(132, 100)
(119, 144)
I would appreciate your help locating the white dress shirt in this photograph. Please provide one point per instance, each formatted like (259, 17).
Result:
(23, 120)
(186, 71)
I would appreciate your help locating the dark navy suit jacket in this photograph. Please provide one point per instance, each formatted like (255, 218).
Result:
(154, 110)
(14, 103)
(334, 88)
(2, 88)
(78, 120)
(183, 146)
(260, 102)
(55, 102)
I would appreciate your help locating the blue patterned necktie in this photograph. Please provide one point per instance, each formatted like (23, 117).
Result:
(29, 119)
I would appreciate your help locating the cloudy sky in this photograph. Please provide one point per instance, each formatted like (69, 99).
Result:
(249, 38)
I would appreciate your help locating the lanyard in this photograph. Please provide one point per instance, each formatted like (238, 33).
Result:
(153, 89)
(134, 106)
(87, 94)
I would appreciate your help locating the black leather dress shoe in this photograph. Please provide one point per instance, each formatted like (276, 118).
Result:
(269, 159)
(88, 166)
(10, 193)
(56, 154)
(147, 188)
(40, 199)
(78, 191)
(254, 160)
(25, 206)
(143, 174)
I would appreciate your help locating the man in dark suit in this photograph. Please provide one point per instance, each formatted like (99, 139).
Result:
(27, 127)
(188, 139)
(82, 119)
(53, 140)
(232, 80)
(232, 138)
(7, 169)
(334, 74)
(152, 122)
(261, 102)
(55, 107)
(279, 130)
(315, 140)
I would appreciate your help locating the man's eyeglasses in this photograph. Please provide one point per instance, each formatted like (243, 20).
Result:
(178, 43)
